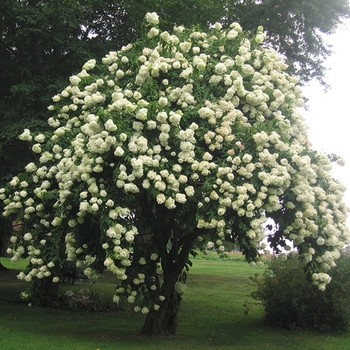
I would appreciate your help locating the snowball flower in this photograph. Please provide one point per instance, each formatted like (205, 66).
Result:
(154, 256)
(27, 237)
(25, 136)
(152, 18)
(180, 288)
(220, 68)
(89, 64)
(180, 197)
(142, 261)
(145, 310)
(110, 126)
(161, 198)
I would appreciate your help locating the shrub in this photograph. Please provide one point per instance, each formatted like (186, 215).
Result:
(290, 299)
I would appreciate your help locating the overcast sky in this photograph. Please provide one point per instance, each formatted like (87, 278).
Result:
(328, 116)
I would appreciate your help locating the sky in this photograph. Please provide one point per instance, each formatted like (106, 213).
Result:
(328, 114)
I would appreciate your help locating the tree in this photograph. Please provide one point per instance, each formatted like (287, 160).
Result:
(175, 142)
(44, 42)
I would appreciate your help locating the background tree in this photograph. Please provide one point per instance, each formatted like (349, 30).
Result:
(173, 143)
(295, 29)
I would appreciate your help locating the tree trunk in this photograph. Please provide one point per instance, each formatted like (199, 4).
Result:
(49, 291)
(164, 320)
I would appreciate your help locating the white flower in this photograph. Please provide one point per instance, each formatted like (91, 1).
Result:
(185, 46)
(131, 299)
(232, 34)
(109, 203)
(163, 101)
(210, 245)
(141, 114)
(218, 26)
(220, 68)
(27, 237)
(215, 79)
(124, 59)
(145, 310)
(152, 18)
(180, 288)
(130, 236)
(152, 32)
(142, 261)
(40, 138)
(189, 190)
(74, 80)
(36, 148)
(56, 221)
(118, 152)
(181, 198)
(320, 241)
(31, 167)
(161, 198)
(247, 158)
(160, 185)
(25, 136)
(221, 211)
(154, 256)
(170, 203)
(110, 126)
(89, 65)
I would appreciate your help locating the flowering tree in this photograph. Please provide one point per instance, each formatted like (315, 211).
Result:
(173, 143)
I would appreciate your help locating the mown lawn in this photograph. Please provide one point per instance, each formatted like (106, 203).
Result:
(211, 316)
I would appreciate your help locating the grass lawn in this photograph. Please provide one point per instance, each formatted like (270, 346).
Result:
(211, 316)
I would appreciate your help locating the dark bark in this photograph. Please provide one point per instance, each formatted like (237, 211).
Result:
(164, 320)
(49, 291)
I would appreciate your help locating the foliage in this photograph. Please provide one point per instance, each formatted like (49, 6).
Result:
(290, 300)
(175, 142)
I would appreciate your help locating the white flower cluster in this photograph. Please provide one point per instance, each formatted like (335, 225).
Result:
(321, 280)
(191, 123)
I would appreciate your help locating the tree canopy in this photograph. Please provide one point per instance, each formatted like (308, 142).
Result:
(44, 42)
(173, 143)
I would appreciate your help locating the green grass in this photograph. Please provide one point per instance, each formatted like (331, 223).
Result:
(18, 265)
(211, 316)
